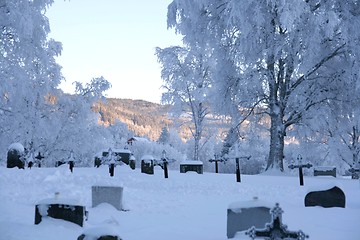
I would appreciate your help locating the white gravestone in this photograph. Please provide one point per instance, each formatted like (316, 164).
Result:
(107, 194)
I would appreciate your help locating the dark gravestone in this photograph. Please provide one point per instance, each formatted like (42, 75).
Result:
(59, 163)
(104, 232)
(325, 171)
(243, 215)
(15, 155)
(191, 166)
(333, 197)
(147, 165)
(97, 162)
(60, 209)
(105, 237)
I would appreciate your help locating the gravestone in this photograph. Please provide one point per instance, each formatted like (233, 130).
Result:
(147, 164)
(276, 230)
(102, 237)
(333, 197)
(15, 156)
(325, 171)
(65, 209)
(100, 232)
(97, 162)
(243, 215)
(107, 194)
(191, 165)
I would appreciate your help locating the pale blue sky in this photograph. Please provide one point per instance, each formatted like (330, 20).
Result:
(115, 39)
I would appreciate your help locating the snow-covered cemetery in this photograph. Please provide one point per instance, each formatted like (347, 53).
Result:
(269, 94)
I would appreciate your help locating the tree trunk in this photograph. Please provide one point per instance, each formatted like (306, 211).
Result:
(277, 135)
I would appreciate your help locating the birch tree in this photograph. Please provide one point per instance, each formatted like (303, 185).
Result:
(286, 57)
(187, 79)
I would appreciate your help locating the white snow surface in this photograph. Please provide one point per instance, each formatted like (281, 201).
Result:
(184, 206)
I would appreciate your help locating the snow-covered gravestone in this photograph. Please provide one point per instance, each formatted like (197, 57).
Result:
(100, 233)
(107, 194)
(15, 156)
(243, 215)
(147, 164)
(325, 171)
(191, 165)
(325, 196)
(65, 209)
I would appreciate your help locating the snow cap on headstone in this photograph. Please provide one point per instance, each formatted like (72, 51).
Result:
(17, 146)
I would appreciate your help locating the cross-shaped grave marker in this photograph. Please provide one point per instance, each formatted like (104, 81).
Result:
(300, 166)
(39, 157)
(216, 160)
(276, 229)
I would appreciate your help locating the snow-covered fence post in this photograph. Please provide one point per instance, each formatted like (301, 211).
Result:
(300, 166)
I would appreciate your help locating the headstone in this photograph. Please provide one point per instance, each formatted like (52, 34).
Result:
(275, 230)
(102, 232)
(325, 171)
(104, 237)
(243, 215)
(107, 194)
(333, 197)
(147, 164)
(191, 165)
(65, 209)
(97, 162)
(15, 156)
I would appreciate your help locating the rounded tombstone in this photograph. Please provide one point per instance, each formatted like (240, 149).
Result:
(14, 156)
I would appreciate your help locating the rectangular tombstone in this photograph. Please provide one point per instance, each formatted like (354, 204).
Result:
(107, 194)
(190, 165)
(58, 209)
(325, 171)
(241, 216)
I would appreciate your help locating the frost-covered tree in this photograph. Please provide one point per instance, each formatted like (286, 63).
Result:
(286, 57)
(28, 71)
(187, 80)
(164, 135)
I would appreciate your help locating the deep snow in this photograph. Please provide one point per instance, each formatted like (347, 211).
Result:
(184, 206)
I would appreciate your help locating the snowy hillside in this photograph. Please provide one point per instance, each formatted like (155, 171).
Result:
(184, 206)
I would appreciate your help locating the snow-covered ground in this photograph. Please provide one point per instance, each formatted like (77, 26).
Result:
(184, 206)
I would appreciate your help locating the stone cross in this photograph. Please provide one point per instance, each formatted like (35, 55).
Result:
(300, 166)
(276, 229)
